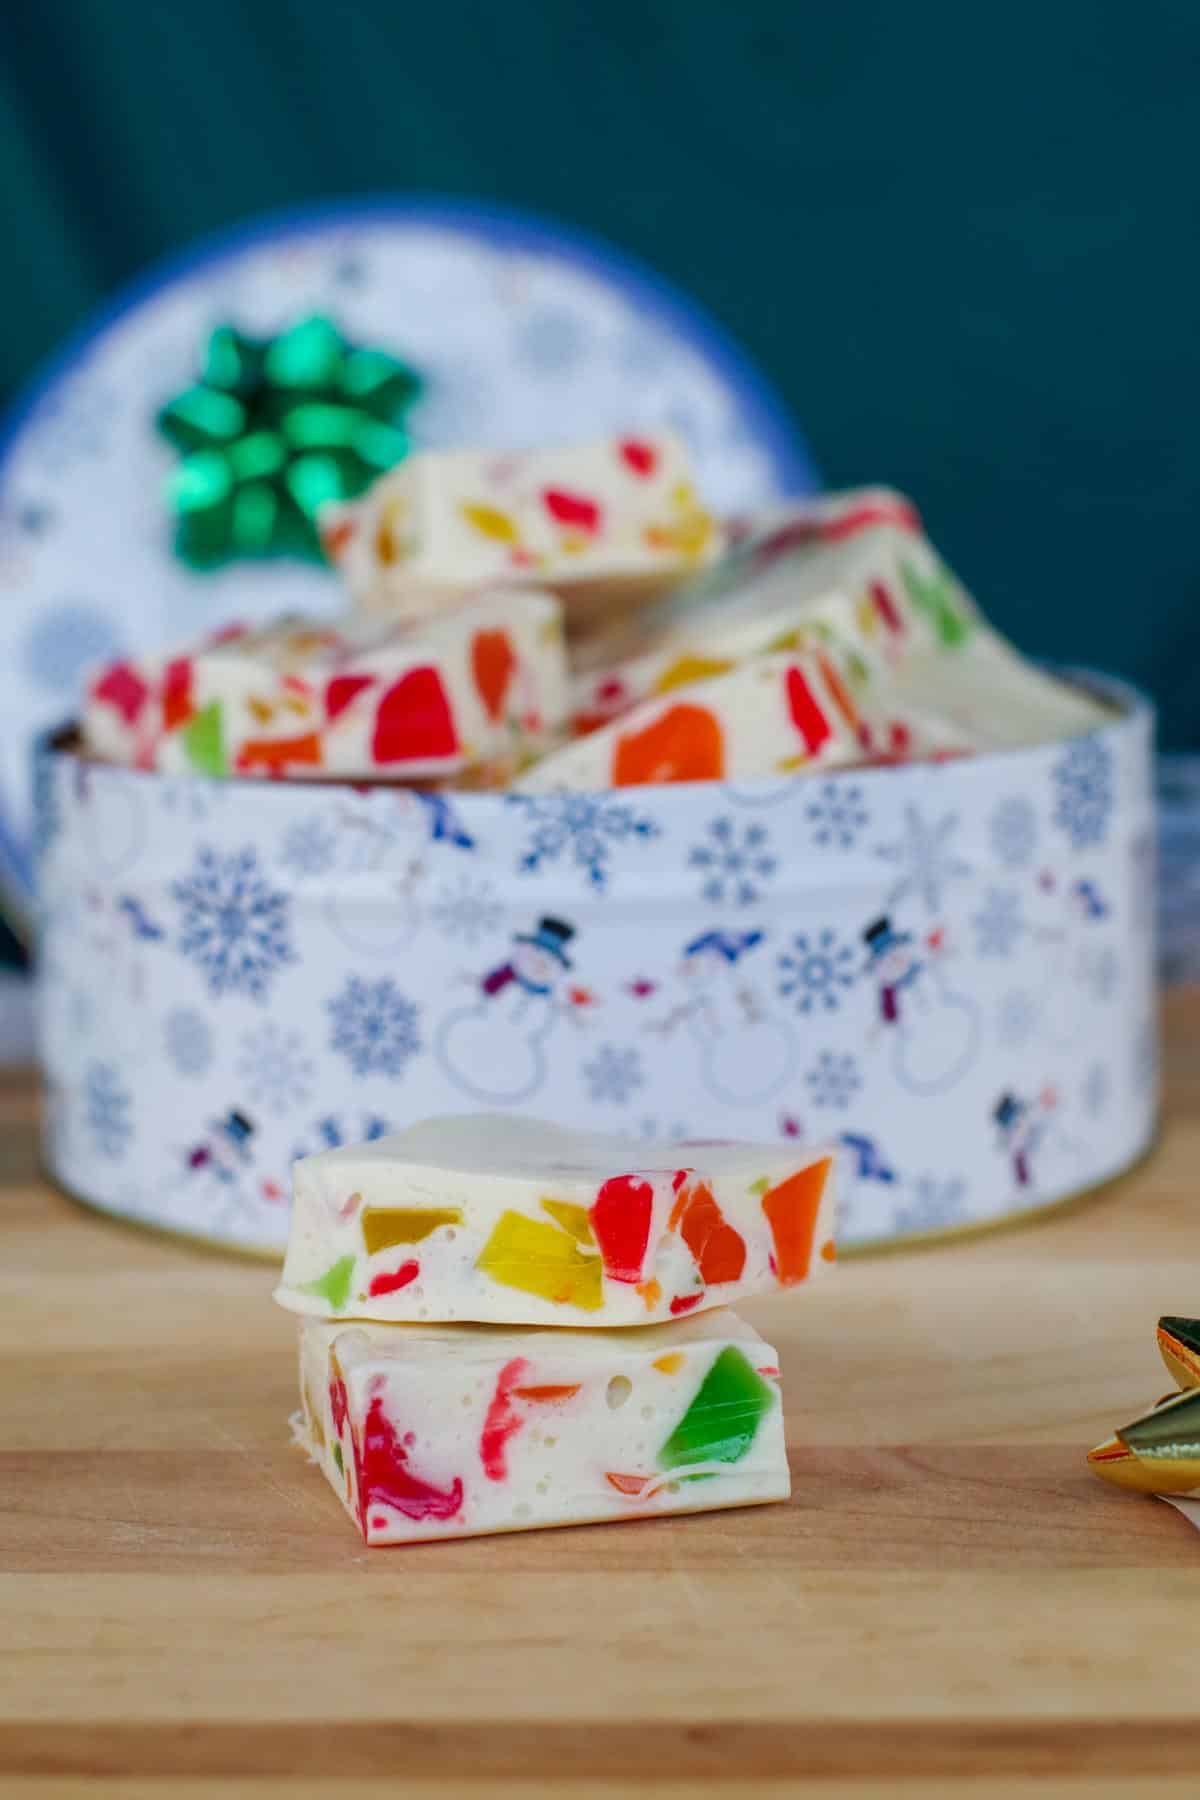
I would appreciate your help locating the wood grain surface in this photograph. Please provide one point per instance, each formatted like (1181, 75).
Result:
(949, 1596)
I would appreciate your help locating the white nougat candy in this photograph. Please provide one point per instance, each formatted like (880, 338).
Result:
(342, 698)
(853, 569)
(604, 524)
(788, 713)
(428, 1433)
(495, 1218)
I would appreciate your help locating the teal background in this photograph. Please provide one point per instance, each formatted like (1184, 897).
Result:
(962, 242)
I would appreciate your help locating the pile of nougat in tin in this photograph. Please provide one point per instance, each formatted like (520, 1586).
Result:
(576, 618)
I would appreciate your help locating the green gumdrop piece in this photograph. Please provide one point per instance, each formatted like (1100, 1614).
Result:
(337, 1457)
(204, 742)
(720, 1424)
(335, 1284)
(938, 598)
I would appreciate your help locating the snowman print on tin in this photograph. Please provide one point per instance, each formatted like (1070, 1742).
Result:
(494, 1048)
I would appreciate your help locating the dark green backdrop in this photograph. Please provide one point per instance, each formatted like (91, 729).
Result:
(963, 240)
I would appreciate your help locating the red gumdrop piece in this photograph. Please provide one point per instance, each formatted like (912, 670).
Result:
(342, 690)
(684, 1302)
(807, 716)
(177, 692)
(390, 1282)
(122, 687)
(385, 1479)
(414, 721)
(620, 1219)
(501, 1421)
(574, 510)
(641, 457)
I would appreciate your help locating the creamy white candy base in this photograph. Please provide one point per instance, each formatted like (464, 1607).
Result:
(429, 1432)
(619, 517)
(497, 1218)
(341, 698)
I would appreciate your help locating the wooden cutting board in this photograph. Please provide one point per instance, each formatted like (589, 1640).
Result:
(949, 1594)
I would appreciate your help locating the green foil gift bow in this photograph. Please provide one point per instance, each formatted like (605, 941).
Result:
(274, 429)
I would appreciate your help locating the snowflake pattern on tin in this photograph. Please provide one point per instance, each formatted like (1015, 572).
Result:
(1017, 1018)
(834, 1079)
(309, 847)
(1013, 831)
(652, 1131)
(613, 1075)
(1083, 792)
(937, 1203)
(333, 1133)
(189, 1041)
(816, 971)
(999, 924)
(837, 814)
(234, 924)
(925, 858)
(273, 1068)
(108, 1109)
(581, 829)
(374, 1026)
(467, 910)
(736, 862)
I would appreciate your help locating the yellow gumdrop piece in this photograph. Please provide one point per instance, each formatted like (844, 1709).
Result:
(540, 1259)
(384, 1226)
(686, 669)
(572, 1218)
(490, 522)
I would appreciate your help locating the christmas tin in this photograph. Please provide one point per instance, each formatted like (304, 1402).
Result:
(948, 968)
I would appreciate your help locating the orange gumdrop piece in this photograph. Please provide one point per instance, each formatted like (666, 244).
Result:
(792, 1208)
(718, 1251)
(683, 744)
(492, 663)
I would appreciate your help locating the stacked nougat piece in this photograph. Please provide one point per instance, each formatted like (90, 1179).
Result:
(506, 1324)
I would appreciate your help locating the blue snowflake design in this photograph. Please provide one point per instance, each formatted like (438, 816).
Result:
(652, 1131)
(1097, 1088)
(613, 1075)
(1000, 923)
(1083, 799)
(925, 858)
(189, 1041)
(332, 1133)
(817, 971)
(582, 828)
(834, 1080)
(1013, 831)
(64, 640)
(467, 910)
(235, 925)
(937, 1203)
(837, 814)
(107, 1106)
(736, 862)
(309, 847)
(374, 1026)
(1017, 1019)
(272, 1066)
(189, 796)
